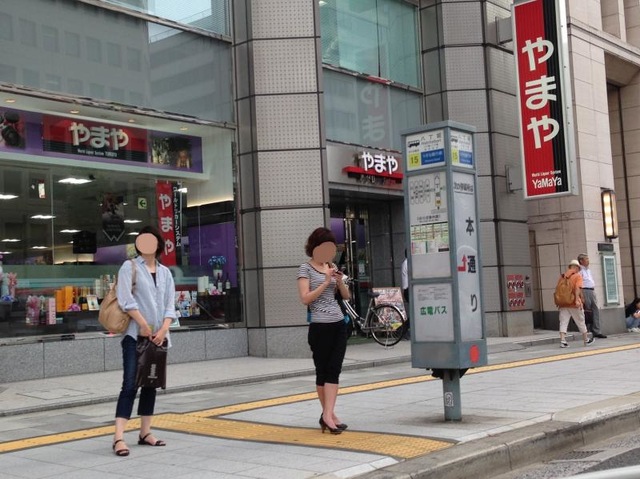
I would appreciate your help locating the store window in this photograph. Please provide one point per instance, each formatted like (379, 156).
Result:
(374, 37)
(74, 192)
(366, 113)
(158, 67)
(6, 27)
(72, 44)
(211, 15)
(27, 33)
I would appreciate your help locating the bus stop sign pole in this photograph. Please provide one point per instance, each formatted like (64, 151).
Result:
(442, 237)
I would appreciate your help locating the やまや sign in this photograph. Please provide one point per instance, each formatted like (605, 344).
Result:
(544, 98)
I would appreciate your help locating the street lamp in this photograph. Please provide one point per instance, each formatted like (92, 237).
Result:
(609, 214)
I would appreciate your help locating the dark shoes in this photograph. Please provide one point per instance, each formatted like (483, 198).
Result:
(338, 429)
(142, 441)
(600, 335)
(120, 452)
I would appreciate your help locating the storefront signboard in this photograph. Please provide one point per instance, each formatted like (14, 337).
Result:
(54, 136)
(544, 98)
(88, 138)
(364, 168)
(378, 165)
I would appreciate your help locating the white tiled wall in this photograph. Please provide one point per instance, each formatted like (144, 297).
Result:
(282, 18)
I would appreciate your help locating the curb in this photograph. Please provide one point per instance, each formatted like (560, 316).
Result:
(502, 453)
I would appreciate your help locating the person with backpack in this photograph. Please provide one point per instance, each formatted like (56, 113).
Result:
(567, 297)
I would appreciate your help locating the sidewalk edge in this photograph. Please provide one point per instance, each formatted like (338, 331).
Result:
(488, 457)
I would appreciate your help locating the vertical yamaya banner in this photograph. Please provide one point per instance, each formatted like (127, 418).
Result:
(544, 98)
(165, 205)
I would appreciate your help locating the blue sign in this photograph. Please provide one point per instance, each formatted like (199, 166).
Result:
(431, 157)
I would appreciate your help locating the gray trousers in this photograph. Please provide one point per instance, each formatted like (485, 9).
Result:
(591, 303)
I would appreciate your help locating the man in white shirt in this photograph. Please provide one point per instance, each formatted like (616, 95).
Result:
(589, 295)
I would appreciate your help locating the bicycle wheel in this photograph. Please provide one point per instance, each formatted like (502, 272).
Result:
(387, 324)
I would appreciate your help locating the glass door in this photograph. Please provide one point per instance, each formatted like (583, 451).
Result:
(354, 252)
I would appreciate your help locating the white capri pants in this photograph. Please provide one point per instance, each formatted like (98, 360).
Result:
(578, 317)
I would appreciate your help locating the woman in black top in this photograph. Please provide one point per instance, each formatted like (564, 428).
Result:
(318, 282)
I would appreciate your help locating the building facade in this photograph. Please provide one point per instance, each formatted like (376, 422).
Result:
(239, 126)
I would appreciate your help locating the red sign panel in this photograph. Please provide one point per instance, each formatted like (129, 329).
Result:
(166, 225)
(543, 97)
(88, 138)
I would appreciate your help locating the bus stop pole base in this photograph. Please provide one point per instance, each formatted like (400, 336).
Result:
(451, 392)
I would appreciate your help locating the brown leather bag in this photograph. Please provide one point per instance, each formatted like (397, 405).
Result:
(111, 315)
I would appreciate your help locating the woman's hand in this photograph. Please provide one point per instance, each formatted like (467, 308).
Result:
(330, 273)
(158, 338)
(145, 330)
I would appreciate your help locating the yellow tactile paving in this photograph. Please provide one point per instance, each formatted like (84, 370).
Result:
(209, 423)
(61, 437)
(394, 445)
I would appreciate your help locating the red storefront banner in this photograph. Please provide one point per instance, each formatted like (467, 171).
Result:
(88, 138)
(165, 206)
(544, 98)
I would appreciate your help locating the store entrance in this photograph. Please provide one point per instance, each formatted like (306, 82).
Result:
(350, 224)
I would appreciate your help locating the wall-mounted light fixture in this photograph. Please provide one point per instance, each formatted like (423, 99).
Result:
(609, 214)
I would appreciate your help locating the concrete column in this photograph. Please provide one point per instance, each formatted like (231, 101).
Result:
(470, 78)
(281, 163)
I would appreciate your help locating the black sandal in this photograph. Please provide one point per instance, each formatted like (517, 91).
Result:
(142, 441)
(120, 452)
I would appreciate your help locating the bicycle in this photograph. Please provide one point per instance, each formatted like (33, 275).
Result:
(385, 322)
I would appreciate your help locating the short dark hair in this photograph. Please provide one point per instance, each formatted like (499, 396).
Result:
(319, 236)
(155, 232)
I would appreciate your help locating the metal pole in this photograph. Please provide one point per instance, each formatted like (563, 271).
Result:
(451, 392)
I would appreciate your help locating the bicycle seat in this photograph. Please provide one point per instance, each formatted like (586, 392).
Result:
(373, 294)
